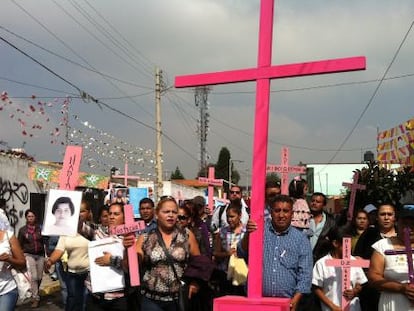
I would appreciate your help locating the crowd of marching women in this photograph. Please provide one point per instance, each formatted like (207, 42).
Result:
(185, 247)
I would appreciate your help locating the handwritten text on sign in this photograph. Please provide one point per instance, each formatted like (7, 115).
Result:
(210, 181)
(127, 228)
(69, 174)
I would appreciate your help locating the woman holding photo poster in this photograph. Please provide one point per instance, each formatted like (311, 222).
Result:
(115, 299)
(78, 260)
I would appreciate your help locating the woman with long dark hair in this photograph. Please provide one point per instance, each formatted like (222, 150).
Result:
(31, 241)
(164, 254)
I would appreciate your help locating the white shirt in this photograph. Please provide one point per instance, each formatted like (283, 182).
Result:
(7, 282)
(328, 278)
(215, 218)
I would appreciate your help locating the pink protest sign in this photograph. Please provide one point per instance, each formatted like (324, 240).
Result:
(68, 178)
(346, 263)
(262, 74)
(408, 252)
(354, 188)
(211, 181)
(284, 170)
(130, 226)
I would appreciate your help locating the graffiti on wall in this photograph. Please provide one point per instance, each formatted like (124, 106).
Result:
(13, 193)
(16, 188)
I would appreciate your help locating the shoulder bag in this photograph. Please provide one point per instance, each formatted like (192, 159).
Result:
(183, 300)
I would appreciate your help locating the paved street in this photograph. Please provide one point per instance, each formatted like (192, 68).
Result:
(51, 299)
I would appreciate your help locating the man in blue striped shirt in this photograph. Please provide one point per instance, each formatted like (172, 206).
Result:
(287, 258)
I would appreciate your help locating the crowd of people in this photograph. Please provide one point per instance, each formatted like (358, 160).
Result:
(208, 250)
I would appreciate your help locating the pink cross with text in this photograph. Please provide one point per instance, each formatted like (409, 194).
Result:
(126, 176)
(262, 75)
(68, 177)
(211, 181)
(346, 263)
(354, 188)
(130, 226)
(284, 170)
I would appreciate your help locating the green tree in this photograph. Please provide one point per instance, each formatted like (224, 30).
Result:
(177, 174)
(382, 186)
(222, 168)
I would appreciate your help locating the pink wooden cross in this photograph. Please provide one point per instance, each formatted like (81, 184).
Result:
(130, 226)
(284, 170)
(211, 181)
(354, 188)
(346, 263)
(68, 178)
(408, 252)
(262, 74)
(126, 176)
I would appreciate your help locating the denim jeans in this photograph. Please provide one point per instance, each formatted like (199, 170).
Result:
(62, 280)
(75, 285)
(8, 301)
(154, 305)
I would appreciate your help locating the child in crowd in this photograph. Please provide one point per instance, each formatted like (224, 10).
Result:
(326, 280)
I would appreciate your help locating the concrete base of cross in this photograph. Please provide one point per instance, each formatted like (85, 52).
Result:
(239, 303)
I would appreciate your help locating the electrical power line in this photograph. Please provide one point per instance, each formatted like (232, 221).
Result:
(40, 64)
(38, 87)
(75, 63)
(77, 54)
(370, 101)
(84, 95)
(250, 135)
(120, 35)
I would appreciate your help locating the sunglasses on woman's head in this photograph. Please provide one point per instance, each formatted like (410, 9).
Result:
(167, 198)
(182, 217)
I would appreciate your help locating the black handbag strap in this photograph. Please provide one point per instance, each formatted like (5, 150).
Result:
(169, 258)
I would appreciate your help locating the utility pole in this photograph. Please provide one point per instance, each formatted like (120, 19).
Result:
(201, 96)
(158, 157)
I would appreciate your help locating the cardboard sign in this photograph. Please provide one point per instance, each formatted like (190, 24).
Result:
(69, 175)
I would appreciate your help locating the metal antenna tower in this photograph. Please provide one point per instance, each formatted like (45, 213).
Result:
(201, 96)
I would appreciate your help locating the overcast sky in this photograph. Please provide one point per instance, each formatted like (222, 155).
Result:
(112, 48)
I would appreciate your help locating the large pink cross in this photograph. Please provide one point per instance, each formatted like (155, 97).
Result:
(262, 74)
(284, 170)
(346, 263)
(354, 188)
(211, 181)
(126, 176)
